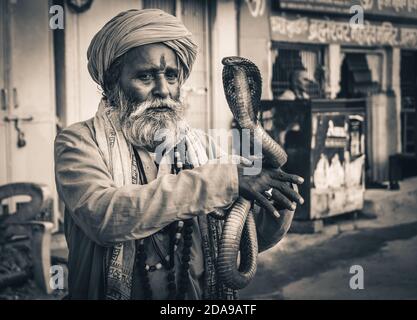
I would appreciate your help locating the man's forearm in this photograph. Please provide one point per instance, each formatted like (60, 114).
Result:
(137, 211)
(110, 214)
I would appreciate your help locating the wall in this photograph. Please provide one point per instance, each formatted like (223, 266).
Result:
(334, 62)
(196, 90)
(381, 123)
(394, 79)
(254, 41)
(224, 43)
(82, 94)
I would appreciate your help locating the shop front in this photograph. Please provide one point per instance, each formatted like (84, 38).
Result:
(359, 77)
(325, 143)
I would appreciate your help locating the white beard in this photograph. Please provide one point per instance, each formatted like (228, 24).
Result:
(146, 125)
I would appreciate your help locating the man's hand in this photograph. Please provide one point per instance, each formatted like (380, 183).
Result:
(253, 187)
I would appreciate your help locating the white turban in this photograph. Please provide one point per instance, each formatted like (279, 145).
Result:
(133, 28)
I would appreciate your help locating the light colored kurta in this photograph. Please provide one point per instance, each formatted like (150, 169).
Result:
(99, 215)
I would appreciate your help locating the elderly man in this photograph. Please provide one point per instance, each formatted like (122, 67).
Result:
(138, 227)
(299, 82)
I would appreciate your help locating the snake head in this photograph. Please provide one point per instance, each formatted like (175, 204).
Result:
(243, 64)
(242, 84)
(236, 61)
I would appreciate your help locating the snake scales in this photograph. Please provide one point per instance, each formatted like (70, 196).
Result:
(242, 84)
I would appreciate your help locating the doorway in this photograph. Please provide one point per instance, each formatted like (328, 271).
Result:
(408, 102)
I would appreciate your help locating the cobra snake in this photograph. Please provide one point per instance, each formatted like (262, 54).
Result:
(242, 84)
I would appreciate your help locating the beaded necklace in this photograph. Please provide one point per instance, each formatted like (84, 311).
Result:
(176, 231)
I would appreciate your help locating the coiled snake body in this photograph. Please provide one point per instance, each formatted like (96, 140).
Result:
(242, 84)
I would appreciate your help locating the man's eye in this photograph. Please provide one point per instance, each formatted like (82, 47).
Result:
(171, 76)
(145, 76)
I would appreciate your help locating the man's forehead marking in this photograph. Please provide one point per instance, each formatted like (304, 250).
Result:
(162, 62)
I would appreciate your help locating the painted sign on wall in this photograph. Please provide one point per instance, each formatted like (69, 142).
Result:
(337, 156)
(293, 28)
(383, 8)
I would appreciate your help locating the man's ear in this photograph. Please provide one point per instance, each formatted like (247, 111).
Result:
(112, 76)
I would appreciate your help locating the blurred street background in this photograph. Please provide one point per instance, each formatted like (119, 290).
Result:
(318, 266)
(339, 93)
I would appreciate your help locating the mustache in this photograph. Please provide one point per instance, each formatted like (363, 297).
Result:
(152, 104)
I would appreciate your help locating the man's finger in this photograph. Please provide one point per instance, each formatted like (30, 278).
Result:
(282, 200)
(263, 202)
(283, 176)
(247, 161)
(288, 191)
(244, 161)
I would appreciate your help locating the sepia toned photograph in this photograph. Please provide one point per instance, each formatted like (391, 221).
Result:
(221, 150)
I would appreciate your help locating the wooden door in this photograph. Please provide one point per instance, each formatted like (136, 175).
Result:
(195, 16)
(27, 67)
(4, 151)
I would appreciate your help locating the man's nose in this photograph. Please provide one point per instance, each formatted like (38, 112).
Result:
(161, 87)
